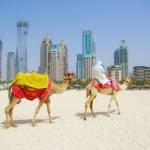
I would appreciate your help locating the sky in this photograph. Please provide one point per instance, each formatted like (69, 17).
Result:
(64, 20)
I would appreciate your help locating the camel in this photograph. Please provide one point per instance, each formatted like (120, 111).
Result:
(55, 88)
(91, 93)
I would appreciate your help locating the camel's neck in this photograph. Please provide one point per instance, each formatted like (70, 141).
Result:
(59, 88)
(123, 86)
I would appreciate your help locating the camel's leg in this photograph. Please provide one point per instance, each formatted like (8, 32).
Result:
(36, 112)
(117, 104)
(109, 105)
(48, 109)
(91, 107)
(87, 103)
(11, 112)
(8, 110)
(12, 122)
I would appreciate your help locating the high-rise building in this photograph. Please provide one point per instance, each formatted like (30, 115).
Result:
(115, 72)
(1, 47)
(57, 62)
(141, 72)
(21, 54)
(79, 66)
(10, 66)
(89, 53)
(65, 49)
(121, 58)
(88, 43)
(116, 57)
(45, 55)
(124, 58)
(53, 59)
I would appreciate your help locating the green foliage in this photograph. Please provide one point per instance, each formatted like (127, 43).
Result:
(136, 81)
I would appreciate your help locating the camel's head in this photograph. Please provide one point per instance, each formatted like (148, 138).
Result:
(69, 77)
(127, 80)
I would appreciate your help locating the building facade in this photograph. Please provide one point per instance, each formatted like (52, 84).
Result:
(79, 66)
(45, 54)
(1, 47)
(57, 62)
(10, 66)
(21, 53)
(89, 53)
(121, 58)
(141, 72)
(117, 57)
(115, 72)
(53, 59)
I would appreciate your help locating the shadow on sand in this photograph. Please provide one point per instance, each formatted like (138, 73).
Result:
(29, 121)
(89, 114)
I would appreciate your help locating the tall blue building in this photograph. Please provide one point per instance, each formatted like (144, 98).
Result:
(21, 53)
(116, 56)
(10, 66)
(89, 53)
(88, 44)
(1, 47)
(79, 66)
(124, 58)
(121, 58)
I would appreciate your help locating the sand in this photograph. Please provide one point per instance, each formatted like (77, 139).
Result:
(128, 131)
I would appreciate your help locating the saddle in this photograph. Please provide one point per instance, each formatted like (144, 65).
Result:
(113, 84)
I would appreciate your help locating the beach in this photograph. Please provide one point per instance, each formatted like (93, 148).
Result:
(128, 131)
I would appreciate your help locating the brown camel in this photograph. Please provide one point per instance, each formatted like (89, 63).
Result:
(92, 92)
(13, 101)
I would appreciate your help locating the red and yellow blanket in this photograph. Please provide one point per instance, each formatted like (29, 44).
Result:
(113, 84)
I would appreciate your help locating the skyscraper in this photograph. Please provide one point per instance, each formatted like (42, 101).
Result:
(21, 54)
(10, 66)
(1, 47)
(116, 57)
(89, 53)
(79, 66)
(121, 58)
(88, 44)
(124, 58)
(53, 59)
(57, 62)
(45, 54)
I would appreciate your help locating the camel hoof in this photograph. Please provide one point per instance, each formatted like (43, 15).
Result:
(15, 126)
(108, 115)
(7, 126)
(33, 124)
(119, 113)
(85, 118)
(50, 121)
(94, 116)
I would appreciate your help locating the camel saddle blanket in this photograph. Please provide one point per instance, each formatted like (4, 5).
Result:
(32, 80)
(24, 92)
(113, 84)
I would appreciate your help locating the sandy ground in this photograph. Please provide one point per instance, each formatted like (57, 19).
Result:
(128, 131)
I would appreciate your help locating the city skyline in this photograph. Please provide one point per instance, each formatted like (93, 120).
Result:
(110, 21)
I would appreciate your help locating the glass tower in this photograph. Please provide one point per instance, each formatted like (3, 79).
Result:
(10, 66)
(116, 56)
(79, 66)
(88, 43)
(21, 54)
(1, 47)
(121, 58)
(89, 53)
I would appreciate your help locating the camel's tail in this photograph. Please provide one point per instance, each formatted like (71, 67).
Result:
(88, 89)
